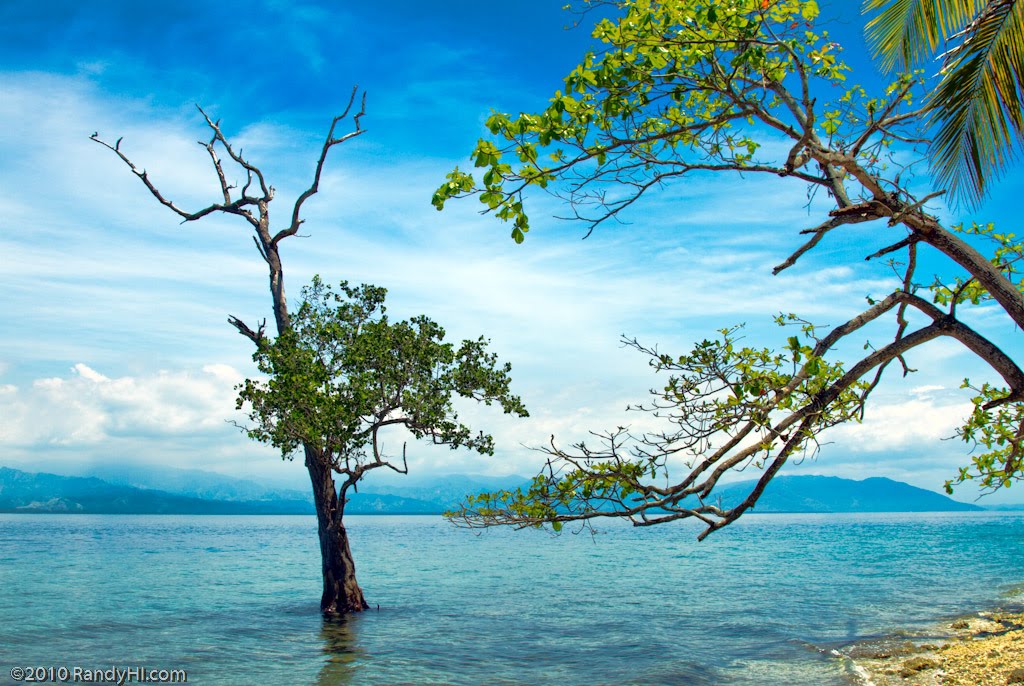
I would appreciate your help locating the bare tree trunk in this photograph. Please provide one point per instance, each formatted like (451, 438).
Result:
(341, 590)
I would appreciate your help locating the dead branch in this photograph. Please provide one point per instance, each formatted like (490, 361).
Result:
(236, 207)
(266, 242)
(329, 143)
(258, 336)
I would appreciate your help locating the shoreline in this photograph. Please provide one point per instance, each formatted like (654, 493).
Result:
(983, 649)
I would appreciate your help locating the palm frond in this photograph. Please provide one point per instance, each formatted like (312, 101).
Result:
(904, 33)
(977, 104)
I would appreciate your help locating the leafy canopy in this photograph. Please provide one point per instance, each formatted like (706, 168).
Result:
(678, 87)
(344, 371)
(713, 86)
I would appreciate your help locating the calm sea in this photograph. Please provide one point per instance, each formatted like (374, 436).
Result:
(234, 600)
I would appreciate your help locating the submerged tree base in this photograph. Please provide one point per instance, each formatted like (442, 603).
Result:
(342, 594)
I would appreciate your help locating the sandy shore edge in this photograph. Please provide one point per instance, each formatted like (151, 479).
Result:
(985, 649)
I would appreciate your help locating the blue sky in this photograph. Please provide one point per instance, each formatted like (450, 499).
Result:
(115, 344)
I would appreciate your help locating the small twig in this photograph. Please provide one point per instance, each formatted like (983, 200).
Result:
(908, 241)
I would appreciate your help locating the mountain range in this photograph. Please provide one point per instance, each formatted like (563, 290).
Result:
(133, 489)
(126, 489)
(833, 494)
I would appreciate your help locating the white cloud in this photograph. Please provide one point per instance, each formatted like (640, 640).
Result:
(96, 255)
(89, 373)
(89, 409)
(921, 423)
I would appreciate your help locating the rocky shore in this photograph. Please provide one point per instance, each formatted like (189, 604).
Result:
(986, 649)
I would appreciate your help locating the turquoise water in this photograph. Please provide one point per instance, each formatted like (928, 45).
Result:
(234, 600)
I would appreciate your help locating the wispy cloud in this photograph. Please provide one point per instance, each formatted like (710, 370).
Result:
(921, 422)
(114, 340)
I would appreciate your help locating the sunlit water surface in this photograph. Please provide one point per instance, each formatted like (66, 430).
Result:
(234, 600)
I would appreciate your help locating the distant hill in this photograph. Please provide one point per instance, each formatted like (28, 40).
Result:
(446, 492)
(833, 494)
(197, 492)
(50, 493)
(189, 482)
(378, 493)
(29, 492)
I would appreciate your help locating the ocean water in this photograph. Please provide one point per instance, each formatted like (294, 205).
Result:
(234, 600)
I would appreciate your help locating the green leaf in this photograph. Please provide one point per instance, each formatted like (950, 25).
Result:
(491, 199)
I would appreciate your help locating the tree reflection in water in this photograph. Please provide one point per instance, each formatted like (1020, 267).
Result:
(343, 655)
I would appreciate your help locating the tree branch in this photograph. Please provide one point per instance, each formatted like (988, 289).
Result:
(228, 207)
(819, 233)
(218, 135)
(258, 336)
(329, 143)
(653, 504)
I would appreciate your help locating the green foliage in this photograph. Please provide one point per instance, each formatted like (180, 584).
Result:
(715, 86)
(679, 82)
(344, 371)
(996, 423)
(997, 426)
(719, 392)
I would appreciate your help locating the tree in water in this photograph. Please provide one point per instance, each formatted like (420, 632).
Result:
(340, 372)
(338, 378)
(699, 87)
